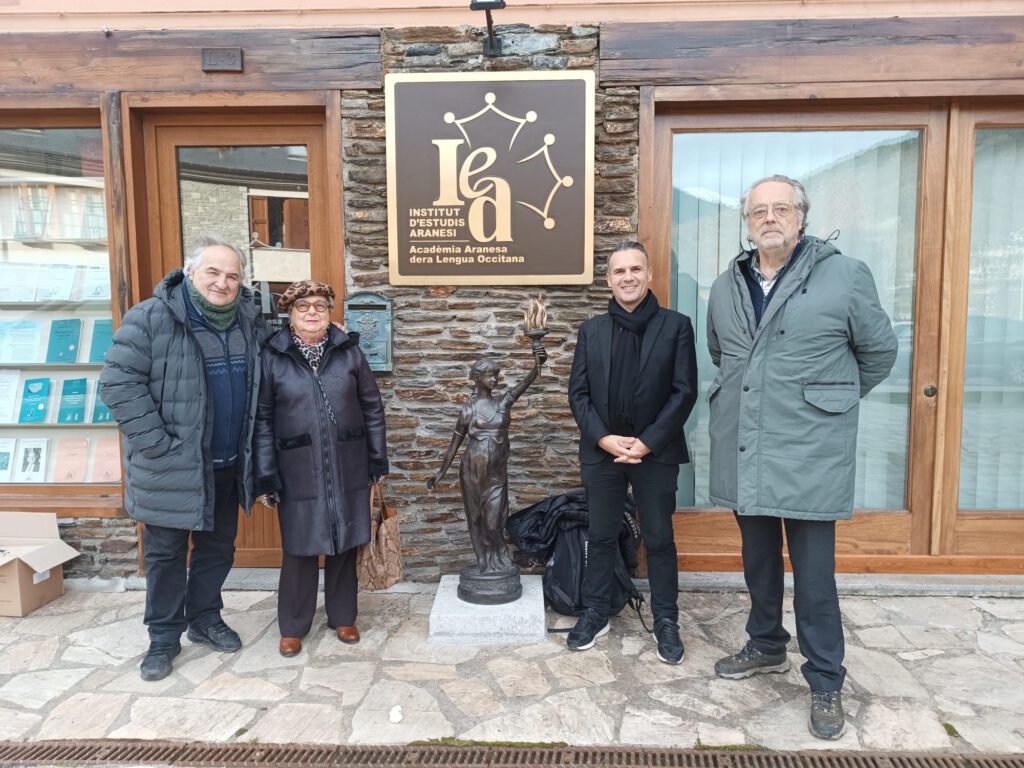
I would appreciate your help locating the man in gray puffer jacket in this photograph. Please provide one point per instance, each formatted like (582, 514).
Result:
(799, 337)
(181, 380)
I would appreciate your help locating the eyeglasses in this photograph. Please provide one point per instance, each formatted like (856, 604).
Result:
(303, 305)
(781, 211)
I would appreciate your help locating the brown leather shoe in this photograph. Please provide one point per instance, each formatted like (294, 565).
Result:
(348, 635)
(290, 646)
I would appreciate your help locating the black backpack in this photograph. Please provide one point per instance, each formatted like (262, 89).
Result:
(563, 575)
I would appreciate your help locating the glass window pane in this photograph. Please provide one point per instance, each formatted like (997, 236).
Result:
(863, 187)
(254, 196)
(55, 310)
(991, 450)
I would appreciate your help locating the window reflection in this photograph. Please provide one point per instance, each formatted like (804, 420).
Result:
(255, 196)
(863, 187)
(55, 311)
(991, 454)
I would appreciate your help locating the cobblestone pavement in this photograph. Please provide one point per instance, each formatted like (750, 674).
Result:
(926, 672)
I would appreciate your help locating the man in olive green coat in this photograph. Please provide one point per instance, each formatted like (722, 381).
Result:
(799, 336)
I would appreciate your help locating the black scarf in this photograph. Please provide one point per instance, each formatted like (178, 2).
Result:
(627, 336)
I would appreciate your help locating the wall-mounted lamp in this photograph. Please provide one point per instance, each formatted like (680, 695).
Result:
(492, 45)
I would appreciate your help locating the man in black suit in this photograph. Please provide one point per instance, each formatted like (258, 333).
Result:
(633, 384)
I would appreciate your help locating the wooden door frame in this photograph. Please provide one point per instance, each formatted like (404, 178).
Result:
(974, 533)
(147, 115)
(154, 120)
(880, 540)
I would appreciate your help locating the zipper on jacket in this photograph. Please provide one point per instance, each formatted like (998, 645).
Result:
(827, 383)
(330, 464)
(201, 381)
(325, 429)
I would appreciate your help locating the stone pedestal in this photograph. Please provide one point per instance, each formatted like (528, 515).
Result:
(456, 622)
(492, 588)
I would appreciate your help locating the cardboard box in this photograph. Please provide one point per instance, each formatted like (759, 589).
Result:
(31, 555)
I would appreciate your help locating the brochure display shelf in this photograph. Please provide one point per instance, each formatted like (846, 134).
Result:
(55, 328)
(59, 449)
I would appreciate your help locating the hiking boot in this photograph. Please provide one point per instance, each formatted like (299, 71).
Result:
(750, 661)
(591, 625)
(670, 647)
(157, 663)
(827, 721)
(218, 636)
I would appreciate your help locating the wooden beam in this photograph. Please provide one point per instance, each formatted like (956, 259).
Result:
(335, 204)
(34, 108)
(117, 208)
(71, 501)
(816, 91)
(158, 60)
(750, 53)
(255, 100)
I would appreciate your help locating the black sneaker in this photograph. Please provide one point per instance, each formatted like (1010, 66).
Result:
(827, 721)
(218, 636)
(750, 661)
(157, 663)
(670, 647)
(591, 625)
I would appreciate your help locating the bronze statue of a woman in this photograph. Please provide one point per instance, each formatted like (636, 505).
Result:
(483, 475)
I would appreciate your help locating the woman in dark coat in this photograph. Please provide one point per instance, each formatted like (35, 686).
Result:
(319, 442)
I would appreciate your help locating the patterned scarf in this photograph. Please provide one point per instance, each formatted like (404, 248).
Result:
(312, 352)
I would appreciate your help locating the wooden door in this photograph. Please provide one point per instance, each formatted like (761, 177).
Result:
(224, 171)
(979, 514)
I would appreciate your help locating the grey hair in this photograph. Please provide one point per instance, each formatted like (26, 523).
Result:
(800, 199)
(630, 245)
(208, 240)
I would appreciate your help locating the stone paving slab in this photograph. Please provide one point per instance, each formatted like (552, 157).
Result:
(927, 672)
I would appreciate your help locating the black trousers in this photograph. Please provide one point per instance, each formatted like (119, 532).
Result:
(819, 626)
(180, 596)
(654, 490)
(296, 592)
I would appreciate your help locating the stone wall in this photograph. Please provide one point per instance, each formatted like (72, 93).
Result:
(441, 330)
(108, 548)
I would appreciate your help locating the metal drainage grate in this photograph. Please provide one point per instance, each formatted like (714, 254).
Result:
(106, 752)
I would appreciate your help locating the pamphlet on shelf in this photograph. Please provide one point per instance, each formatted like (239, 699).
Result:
(70, 459)
(7, 445)
(72, 402)
(106, 461)
(64, 338)
(19, 341)
(9, 381)
(96, 284)
(17, 282)
(102, 338)
(100, 413)
(55, 282)
(30, 460)
(34, 398)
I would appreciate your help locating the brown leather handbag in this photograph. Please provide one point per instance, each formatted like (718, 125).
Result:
(379, 563)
